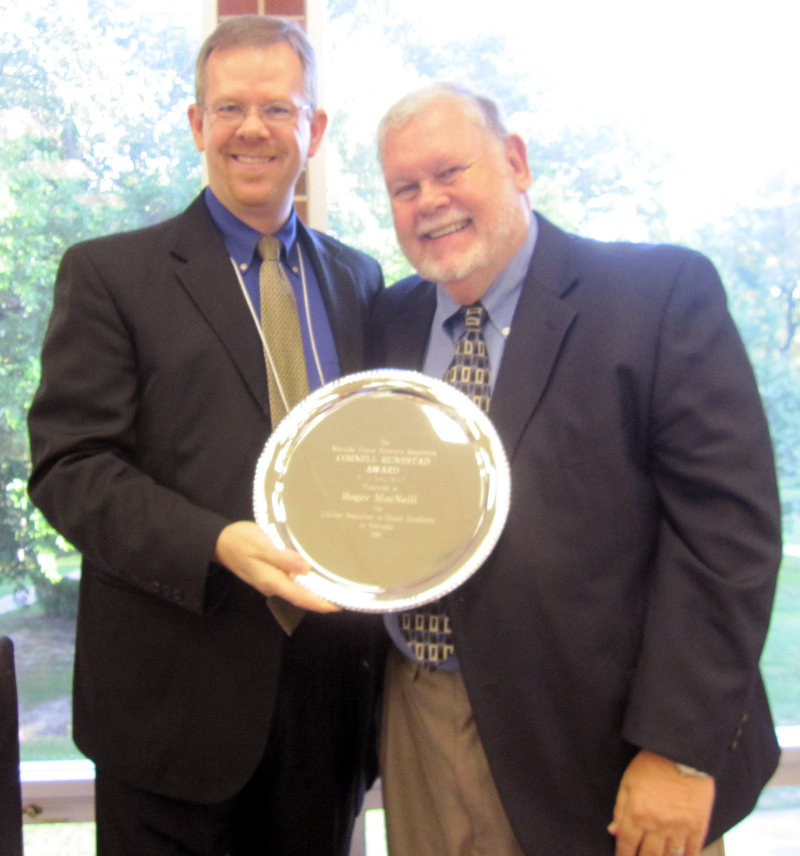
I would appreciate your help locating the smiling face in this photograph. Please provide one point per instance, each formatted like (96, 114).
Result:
(253, 168)
(458, 196)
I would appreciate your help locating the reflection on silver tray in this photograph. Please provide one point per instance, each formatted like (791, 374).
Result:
(393, 485)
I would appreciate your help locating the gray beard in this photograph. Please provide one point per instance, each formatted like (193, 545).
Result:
(477, 257)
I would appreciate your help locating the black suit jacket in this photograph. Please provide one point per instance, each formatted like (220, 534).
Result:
(145, 432)
(627, 601)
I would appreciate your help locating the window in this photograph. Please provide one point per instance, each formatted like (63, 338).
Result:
(643, 121)
(86, 148)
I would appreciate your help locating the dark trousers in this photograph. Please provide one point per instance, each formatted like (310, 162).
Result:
(305, 794)
(131, 822)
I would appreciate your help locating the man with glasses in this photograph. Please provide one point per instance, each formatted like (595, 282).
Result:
(217, 723)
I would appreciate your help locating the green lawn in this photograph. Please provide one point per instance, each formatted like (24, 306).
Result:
(44, 652)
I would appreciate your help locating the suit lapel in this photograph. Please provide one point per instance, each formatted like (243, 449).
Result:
(205, 271)
(336, 280)
(405, 335)
(541, 322)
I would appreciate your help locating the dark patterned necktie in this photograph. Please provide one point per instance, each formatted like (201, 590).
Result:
(469, 370)
(427, 629)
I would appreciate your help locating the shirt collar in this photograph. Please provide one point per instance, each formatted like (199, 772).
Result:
(240, 239)
(500, 299)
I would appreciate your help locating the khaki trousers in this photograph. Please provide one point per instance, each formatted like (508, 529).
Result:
(438, 792)
(439, 795)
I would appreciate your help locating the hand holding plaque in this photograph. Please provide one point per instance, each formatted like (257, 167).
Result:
(393, 486)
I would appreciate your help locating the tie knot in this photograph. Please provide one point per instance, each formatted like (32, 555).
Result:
(268, 248)
(475, 316)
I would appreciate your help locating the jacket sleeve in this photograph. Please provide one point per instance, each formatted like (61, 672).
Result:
(719, 546)
(87, 426)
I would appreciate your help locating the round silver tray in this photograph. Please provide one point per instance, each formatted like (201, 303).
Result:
(393, 485)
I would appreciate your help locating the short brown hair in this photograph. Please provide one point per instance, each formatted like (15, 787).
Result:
(258, 31)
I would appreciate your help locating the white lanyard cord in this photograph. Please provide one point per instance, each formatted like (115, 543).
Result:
(308, 316)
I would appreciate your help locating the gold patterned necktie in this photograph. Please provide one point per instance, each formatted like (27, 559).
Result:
(286, 369)
(427, 629)
(286, 364)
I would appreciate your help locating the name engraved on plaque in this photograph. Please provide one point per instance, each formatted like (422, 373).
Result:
(375, 489)
(382, 478)
(394, 486)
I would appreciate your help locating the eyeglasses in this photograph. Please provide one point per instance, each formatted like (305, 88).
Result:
(274, 113)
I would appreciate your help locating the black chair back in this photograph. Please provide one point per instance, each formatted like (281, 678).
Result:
(10, 791)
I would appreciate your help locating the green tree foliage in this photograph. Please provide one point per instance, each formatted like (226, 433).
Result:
(758, 252)
(93, 139)
(601, 181)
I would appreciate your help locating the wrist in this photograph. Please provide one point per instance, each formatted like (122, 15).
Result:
(687, 772)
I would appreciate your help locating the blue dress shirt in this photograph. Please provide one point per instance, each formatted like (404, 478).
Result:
(241, 242)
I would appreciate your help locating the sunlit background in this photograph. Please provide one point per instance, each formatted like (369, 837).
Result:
(644, 121)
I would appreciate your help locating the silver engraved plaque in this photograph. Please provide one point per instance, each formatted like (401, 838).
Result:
(394, 486)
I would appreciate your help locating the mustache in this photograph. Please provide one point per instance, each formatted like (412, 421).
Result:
(439, 223)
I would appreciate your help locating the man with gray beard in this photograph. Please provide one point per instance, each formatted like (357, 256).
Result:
(594, 688)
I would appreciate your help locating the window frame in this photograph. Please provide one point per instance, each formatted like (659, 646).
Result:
(63, 791)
